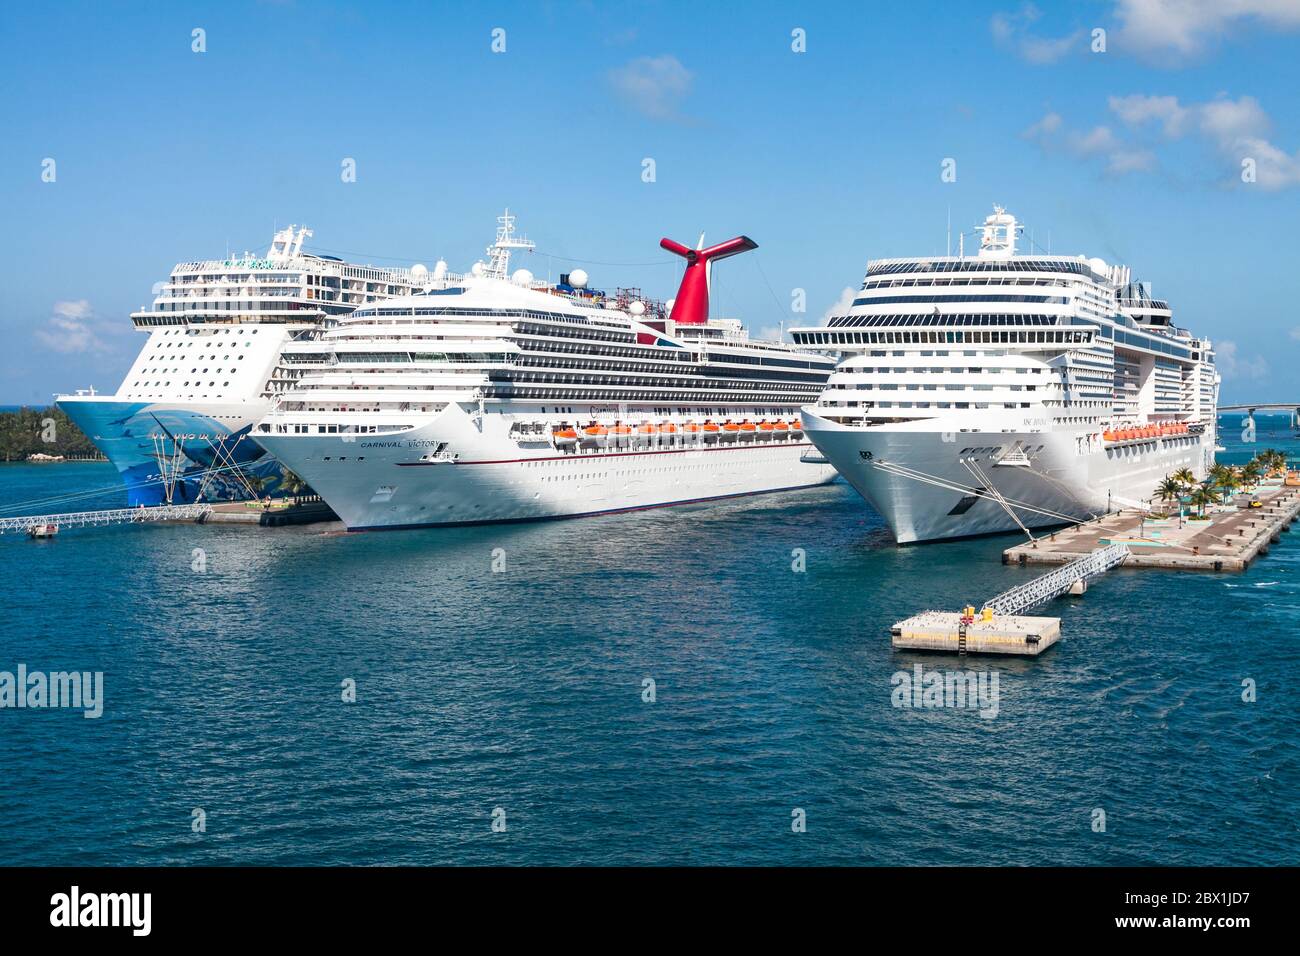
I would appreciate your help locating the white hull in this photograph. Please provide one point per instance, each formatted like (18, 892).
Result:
(1070, 475)
(400, 479)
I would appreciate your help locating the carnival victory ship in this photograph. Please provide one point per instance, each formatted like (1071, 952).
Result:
(494, 397)
(1000, 391)
(177, 427)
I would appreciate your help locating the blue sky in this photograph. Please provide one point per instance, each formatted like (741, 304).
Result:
(826, 157)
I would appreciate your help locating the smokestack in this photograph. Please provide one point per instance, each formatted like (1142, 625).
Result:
(691, 306)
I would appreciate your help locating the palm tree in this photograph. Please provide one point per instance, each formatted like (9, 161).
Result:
(292, 484)
(1185, 478)
(1251, 473)
(1202, 496)
(1220, 477)
(1171, 489)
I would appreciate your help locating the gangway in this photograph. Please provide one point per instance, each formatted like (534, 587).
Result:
(1057, 581)
(111, 516)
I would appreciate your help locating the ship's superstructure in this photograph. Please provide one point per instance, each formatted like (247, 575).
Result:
(983, 393)
(492, 396)
(177, 426)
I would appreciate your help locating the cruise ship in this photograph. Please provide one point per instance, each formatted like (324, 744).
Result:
(999, 391)
(177, 427)
(493, 397)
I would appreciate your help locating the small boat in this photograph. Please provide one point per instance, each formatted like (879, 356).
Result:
(730, 431)
(712, 431)
(595, 435)
(668, 428)
(748, 430)
(796, 428)
(782, 430)
(41, 531)
(766, 430)
(564, 437)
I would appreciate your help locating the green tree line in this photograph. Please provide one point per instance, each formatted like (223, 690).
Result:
(46, 431)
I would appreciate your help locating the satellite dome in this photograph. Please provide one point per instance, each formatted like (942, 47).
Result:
(637, 308)
(439, 269)
(419, 270)
(477, 269)
(578, 279)
(1098, 266)
(522, 277)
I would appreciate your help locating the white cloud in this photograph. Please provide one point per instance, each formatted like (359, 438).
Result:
(1234, 130)
(1158, 29)
(1045, 128)
(1138, 110)
(1010, 30)
(72, 328)
(1097, 140)
(842, 304)
(653, 85)
(1123, 161)
(1234, 365)
(1226, 120)
(1051, 134)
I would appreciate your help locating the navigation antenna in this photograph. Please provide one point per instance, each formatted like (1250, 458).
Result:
(498, 265)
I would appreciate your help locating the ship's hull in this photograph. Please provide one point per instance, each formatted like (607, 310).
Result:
(456, 470)
(168, 453)
(1070, 476)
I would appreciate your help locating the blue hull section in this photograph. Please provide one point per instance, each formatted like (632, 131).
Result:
(133, 436)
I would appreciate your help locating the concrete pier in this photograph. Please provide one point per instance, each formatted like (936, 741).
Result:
(1002, 634)
(1228, 540)
(278, 514)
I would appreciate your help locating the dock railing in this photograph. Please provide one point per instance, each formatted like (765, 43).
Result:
(88, 519)
(1057, 581)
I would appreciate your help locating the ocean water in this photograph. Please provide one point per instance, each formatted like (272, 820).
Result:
(520, 692)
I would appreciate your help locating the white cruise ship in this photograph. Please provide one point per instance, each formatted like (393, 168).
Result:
(494, 397)
(985, 393)
(177, 427)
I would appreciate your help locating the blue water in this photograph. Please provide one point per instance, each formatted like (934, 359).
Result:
(523, 690)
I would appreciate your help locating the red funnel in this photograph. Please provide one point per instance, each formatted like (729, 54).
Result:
(692, 304)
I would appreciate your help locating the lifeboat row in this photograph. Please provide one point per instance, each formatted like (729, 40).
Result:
(666, 433)
(1145, 432)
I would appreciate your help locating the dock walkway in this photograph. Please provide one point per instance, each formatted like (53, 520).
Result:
(1228, 540)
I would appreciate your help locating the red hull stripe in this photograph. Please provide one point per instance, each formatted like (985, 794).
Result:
(603, 455)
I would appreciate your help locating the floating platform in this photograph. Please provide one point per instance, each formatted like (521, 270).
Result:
(1228, 540)
(1002, 634)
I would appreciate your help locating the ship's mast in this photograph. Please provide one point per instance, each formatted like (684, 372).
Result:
(498, 265)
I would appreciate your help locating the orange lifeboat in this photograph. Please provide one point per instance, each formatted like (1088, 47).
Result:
(668, 428)
(691, 431)
(1108, 435)
(564, 437)
(766, 430)
(620, 432)
(796, 428)
(712, 432)
(647, 429)
(595, 435)
(730, 431)
(748, 430)
(782, 430)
